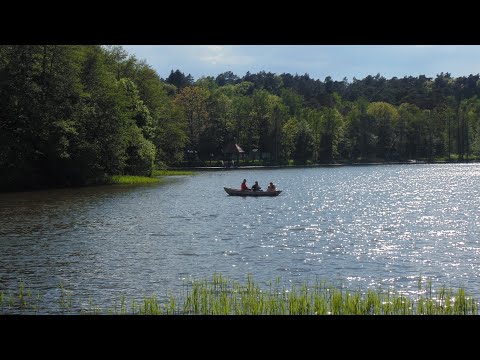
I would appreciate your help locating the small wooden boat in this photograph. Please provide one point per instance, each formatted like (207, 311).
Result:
(238, 192)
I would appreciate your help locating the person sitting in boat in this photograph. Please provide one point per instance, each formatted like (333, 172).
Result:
(256, 187)
(244, 186)
(271, 187)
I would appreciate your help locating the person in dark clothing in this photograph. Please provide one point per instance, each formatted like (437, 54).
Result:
(256, 187)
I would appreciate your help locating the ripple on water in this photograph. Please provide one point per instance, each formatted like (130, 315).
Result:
(360, 226)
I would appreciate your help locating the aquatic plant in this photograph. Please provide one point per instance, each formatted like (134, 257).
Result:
(223, 296)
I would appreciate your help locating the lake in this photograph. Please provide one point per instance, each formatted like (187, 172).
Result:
(355, 226)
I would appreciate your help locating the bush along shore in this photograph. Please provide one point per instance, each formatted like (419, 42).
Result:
(223, 296)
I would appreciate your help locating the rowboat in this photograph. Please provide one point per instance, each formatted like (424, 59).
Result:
(238, 192)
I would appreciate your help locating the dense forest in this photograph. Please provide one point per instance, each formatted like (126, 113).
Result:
(77, 114)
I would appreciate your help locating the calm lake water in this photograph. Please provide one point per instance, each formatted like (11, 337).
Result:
(358, 226)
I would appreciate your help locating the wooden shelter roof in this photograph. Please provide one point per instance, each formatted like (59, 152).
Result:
(233, 148)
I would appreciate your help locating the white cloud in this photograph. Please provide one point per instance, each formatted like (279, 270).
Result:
(220, 54)
(337, 61)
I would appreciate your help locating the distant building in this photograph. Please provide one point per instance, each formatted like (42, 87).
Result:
(233, 151)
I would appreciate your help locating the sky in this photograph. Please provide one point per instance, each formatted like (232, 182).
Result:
(319, 61)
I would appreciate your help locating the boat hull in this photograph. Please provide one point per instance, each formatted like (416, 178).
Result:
(237, 192)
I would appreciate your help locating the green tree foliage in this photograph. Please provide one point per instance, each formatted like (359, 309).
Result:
(218, 127)
(38, 98)
(120, 62)
(360, 139)
(193, 102)
(227, 78)
(314, 120)
(179, 80)
(407, 129)
(207, 82)
(298, 140)
(473, 115)
(140, 154)
(385, 117)
(66, 118)
(244, 127)
(75, 115)
(290, 135)
(331, 125)
(170, 135)
(292, 100)
(165, 126)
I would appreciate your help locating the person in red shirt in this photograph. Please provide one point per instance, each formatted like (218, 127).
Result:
(244, 186)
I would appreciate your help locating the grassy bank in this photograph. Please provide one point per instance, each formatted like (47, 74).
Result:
(222, 296)
(127, 179)
(171, 172)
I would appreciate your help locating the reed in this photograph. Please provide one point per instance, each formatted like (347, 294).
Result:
(223, 296)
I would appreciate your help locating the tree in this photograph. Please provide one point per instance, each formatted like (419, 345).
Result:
(244, 128)
(297, 140)
(168, 129)
(407, 131)
(179, 79)
(171, 136)
(38, 98)
(207, 82)
(314, 120)
(331, 123)
(215, 135)
(278, 114)
(140, 152)
(474, 121)
(227, 78)
(290, 135)
(386, 117)
(120, 62)
(193, 101)
(292, 100)
(470, 112)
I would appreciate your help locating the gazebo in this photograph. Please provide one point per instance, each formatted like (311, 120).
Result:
(233, 150)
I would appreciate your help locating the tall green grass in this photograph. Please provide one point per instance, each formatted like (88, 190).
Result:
(222, 296)
(171, 172)
(127, 179)
(137, 180)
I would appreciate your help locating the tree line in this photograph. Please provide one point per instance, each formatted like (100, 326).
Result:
(77, 114)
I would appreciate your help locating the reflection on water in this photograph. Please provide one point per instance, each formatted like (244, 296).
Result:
(359, 226)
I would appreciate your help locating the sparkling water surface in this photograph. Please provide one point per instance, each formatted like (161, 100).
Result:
(355, 226)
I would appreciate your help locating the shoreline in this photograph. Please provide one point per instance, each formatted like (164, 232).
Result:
(263, 167)
(246, 167)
